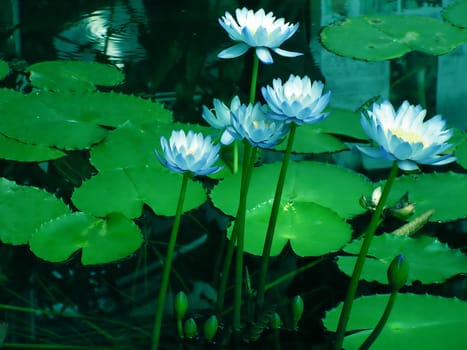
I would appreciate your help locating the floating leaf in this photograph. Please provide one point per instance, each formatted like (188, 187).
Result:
(456, 14)
(101, 240)
(342, 122)
(125, 190)
(430, 261)
(461, 152)
(14, 150)
(382, 37)
(310, 139)
(24, 209)
(4, 69)
(445, 193)
(73, 75)
(416, 322)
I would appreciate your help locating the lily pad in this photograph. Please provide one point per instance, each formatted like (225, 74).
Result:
(14, 150)
(4, 69)
(416, 322)
(24, 209)
(456, 14)
(383, 37)
(125, 190)
(445, 193)
(423, 254)
(73, 75)
(101, 240)
(311, 139)
(461, 152)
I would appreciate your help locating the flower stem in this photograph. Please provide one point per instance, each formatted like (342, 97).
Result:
(382, 321)
(254, 78)
(369, 233)
(168, 265)
(273, 219)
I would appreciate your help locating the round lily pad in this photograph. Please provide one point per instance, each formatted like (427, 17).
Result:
(423, 255)
(416, 322)
(311, 139)
(456, 14)
(24, 209)
(73, 75)
(14, 150)
(101, 240)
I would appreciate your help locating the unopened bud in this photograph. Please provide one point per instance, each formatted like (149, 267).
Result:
(190, 328)
(398, 272)
(180, 305)
(275, 321)
(403, 213)
(297, 310)
(210, 328)
(371, 203)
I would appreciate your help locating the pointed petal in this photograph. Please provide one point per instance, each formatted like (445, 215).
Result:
(234, 51)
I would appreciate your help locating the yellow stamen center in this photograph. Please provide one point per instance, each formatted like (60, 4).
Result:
(409, 136)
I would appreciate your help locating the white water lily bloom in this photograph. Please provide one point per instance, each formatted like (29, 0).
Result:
(297, 100)
(251, 123)
(403, 137)
(259, 30)
(221, 118)
(189, 152)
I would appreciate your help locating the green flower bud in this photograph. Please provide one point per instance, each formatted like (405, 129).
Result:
(398, 272)
(403, 213)
(210, 328)
(180, 305)
(297, 310)
(190, 328)
(275, 321)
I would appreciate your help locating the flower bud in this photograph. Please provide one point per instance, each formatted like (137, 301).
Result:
(275, 321)
(180, 305)
(372, 203)
(210, 328)
(297, 310)
(398, 272)
(403, 213)
(190, 328)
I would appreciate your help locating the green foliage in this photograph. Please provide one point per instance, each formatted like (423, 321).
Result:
(73, 75)
(461, 152)
(445, 193)
(4, 69)
(101, 240)
(12, 149)
(24, 209)
(430, 261)
(456, 14)
(416, 322)
(383, 37)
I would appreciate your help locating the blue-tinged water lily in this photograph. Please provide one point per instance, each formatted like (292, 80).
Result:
(403, 137)
(221, 118)
(189, 152)
(259, 30)
(251, 123)
(297, 100)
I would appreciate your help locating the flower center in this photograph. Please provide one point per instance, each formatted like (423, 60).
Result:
(409, 136)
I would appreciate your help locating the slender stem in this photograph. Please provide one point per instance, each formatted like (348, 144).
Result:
(254, 78)
(248, 162)
(168, 265)
(369, 233)
(382, 321)
(273, 218)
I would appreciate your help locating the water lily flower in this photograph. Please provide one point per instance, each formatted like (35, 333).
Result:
(189, 152)
(221, 119)
(297, 100)
(257, 29)
(403, 137)
(251, 123)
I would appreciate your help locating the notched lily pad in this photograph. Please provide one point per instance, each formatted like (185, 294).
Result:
(101, 240)
(24, 209)
(14, 150)
(456, 14)
(73, 75)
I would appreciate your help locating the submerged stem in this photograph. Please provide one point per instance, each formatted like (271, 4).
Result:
(370, 232)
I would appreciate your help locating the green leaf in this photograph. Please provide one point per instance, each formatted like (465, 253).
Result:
(311, 139)
(429, 260)
(455, 14)
(101, 240)
(461, 152)
(417, 322)
(382, 37)
(24, 209)
(125, 190)
(311, 211)
(343, 122)
(445, 193)
(73, 75)
(14, 150)
(4, 69)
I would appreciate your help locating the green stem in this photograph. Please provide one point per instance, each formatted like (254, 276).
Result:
(370, 232)
(168, 265)
(248, 162)
(382, 321)
(273, 218)
(254, 78)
